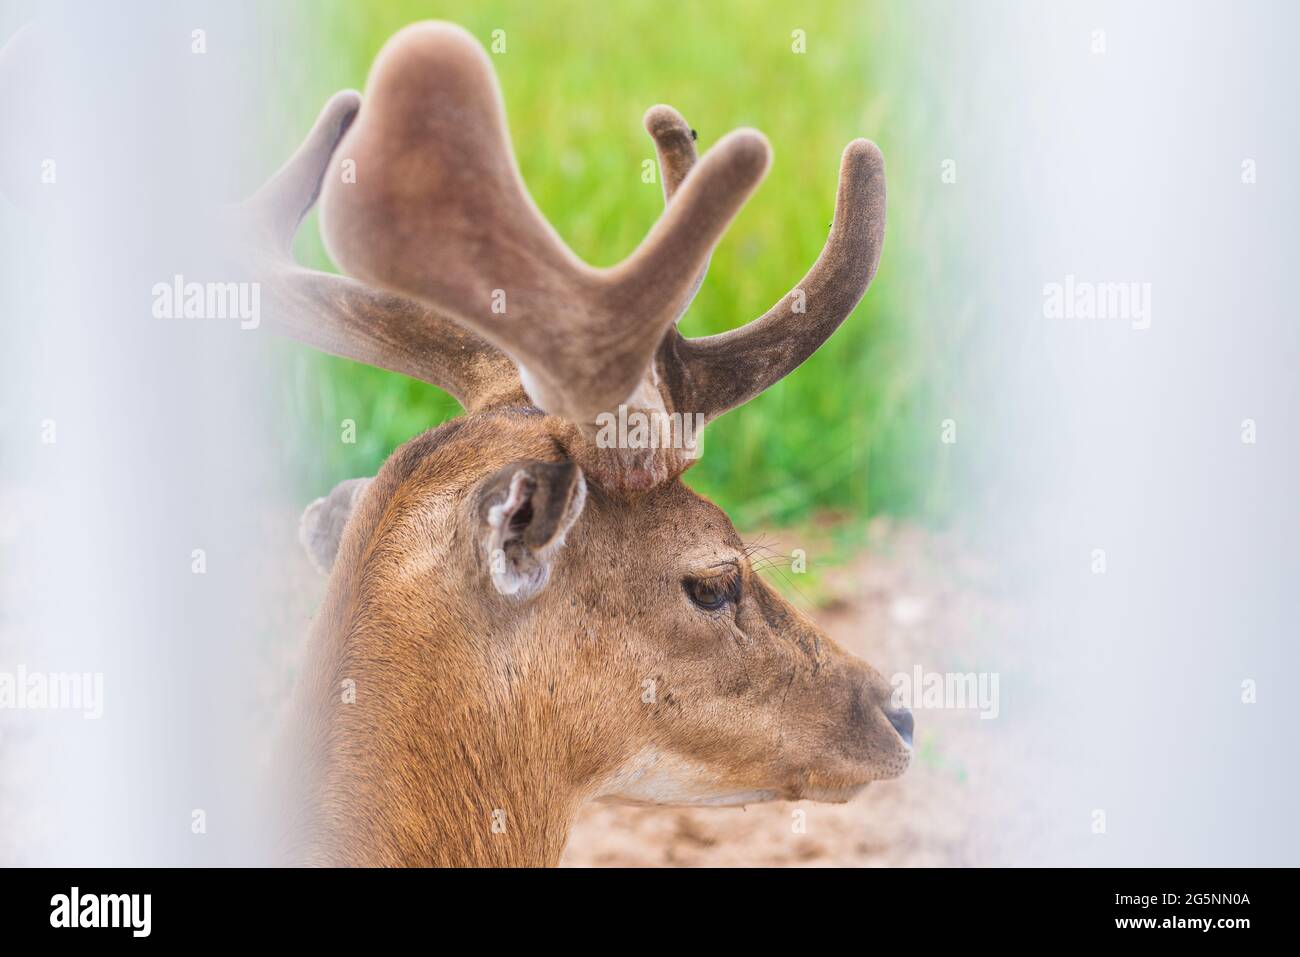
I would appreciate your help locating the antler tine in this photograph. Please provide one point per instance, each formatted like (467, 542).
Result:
(286, 198)
(718, 373)
(579, 369)
(342, 316)
(678, 246)
(674, 145)
(675, 148)
(715, 374)
(439, 212)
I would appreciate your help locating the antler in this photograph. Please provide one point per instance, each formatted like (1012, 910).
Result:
(438, 211)
(715, 374)
(342, 316)
(423, 198)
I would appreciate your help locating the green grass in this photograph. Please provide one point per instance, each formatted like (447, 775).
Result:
(856, 428)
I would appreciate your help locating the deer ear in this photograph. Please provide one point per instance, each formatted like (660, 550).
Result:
(526, 510)
(321, 528)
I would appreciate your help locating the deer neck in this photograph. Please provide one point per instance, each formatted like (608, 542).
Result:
(435, 746)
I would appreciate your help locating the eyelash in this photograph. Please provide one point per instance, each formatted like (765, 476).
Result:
(711, 594)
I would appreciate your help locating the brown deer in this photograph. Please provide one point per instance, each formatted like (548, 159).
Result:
(520, 616)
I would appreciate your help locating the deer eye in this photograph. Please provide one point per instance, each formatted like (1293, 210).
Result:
(714, 592)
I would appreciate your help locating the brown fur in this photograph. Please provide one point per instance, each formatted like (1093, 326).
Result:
(469, 702)
(529, 620)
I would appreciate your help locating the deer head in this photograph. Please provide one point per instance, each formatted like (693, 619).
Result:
(530, 614)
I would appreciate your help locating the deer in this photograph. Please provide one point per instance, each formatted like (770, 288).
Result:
(519, 618)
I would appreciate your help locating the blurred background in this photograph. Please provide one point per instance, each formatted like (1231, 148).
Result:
(980, 487)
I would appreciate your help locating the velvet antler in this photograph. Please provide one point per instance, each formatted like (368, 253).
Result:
(438, 211)
(422, 198)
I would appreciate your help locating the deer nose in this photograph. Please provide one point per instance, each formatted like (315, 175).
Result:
(901, 719)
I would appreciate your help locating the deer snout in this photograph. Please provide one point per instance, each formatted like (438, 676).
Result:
(876, 711)
(874, 742)
(901, 719)
(884, 725)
